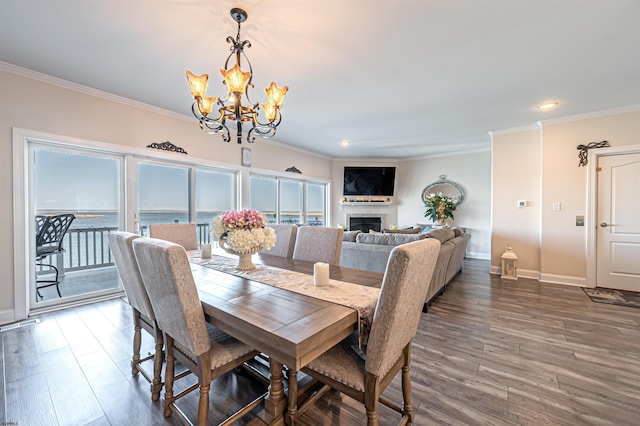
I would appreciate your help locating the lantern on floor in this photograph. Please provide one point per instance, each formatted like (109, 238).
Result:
(509, 264)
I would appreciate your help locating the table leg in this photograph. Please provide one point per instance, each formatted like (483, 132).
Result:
(293, 396)
(275, 403)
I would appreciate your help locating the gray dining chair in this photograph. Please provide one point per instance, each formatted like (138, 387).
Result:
(183, 234)
(318, 244)
(203, 349)
(121, 244)
(285, 240)
(405, 285)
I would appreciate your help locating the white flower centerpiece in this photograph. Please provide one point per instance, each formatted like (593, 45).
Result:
(243, 233)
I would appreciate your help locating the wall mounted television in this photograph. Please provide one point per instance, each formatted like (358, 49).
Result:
(369, 180)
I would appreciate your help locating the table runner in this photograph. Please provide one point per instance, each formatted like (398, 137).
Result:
(361, 298)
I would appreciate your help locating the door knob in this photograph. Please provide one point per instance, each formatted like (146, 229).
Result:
(604, 225)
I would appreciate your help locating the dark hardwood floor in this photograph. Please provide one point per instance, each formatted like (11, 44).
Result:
(487, 352)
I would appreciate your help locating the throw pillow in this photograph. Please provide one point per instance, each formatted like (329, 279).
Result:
(402, 231)
(373, 231)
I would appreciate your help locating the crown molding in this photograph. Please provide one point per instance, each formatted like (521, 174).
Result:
(514, 130)
(590, 115)
(86, 90)
(450, 154)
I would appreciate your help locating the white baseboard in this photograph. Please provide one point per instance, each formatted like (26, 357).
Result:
(545, 278)
(563, 279)
(475, 255)
(7, 316)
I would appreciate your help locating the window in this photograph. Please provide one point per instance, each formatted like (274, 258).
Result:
(291, 202)
(316, 204)
(286, 200)
(264, 197)
(163, 194)
(215, 194)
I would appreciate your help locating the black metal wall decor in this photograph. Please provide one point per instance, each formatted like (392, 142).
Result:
(584, 151)
(167, 146)
(293, 169)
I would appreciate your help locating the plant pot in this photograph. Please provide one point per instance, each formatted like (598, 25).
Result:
(440, 222)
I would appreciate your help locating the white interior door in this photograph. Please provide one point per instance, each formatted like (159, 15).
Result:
(618, 234)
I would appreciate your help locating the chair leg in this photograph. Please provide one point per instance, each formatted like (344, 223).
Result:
(137, 340)
(371, 396)
(407, 409)
(169, 374)
(49, 283)
(156, 386)
(203, 404)
(204, 380)
(372, 418)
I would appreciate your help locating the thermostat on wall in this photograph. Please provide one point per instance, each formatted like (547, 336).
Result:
(522, 204)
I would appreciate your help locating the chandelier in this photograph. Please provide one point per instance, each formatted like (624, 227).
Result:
(230, 107)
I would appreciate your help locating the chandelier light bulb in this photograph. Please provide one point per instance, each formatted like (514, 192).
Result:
(197, 84)
(236, 79)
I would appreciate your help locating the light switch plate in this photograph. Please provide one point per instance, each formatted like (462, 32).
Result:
(522, 204)
(556, 207)
(579, 220)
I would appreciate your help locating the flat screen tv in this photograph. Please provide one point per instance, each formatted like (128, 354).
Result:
(369, 180)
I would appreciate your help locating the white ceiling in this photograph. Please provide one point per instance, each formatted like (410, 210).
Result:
(398, 79)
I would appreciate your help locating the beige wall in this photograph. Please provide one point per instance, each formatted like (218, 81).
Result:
(563, 244)
(40, 106)
(516, 177)
(546, 161)
(473, 173)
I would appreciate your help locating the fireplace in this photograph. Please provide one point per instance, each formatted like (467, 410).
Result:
(365, 223)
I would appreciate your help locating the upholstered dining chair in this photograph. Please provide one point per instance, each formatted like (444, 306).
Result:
(121, 244)
(183, 234)
(318, 244)
(203, 349)
(285, 240)
(405, 285)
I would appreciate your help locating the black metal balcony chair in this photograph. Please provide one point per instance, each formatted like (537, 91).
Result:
(51, 232)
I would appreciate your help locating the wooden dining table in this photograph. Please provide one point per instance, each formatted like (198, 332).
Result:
(291, 328)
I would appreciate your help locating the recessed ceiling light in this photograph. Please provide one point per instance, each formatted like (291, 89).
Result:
(345, 143)
(548, 105)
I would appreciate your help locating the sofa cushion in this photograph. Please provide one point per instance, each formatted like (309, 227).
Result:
(457, 231)
(388, 239)
(441, 234)
(350, 235)
(402, 231)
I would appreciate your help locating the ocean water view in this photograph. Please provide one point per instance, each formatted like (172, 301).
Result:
(110, 219)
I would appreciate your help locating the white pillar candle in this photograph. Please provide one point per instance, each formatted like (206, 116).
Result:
(206, 251)
(321, 274)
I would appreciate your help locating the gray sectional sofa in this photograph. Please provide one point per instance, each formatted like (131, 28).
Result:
(371, 252)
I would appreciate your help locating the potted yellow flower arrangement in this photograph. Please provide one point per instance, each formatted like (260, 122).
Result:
(439, 207)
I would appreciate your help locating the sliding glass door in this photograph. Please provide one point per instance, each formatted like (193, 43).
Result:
(87, 185)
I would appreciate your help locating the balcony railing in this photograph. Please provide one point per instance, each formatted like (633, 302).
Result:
(88, 248)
